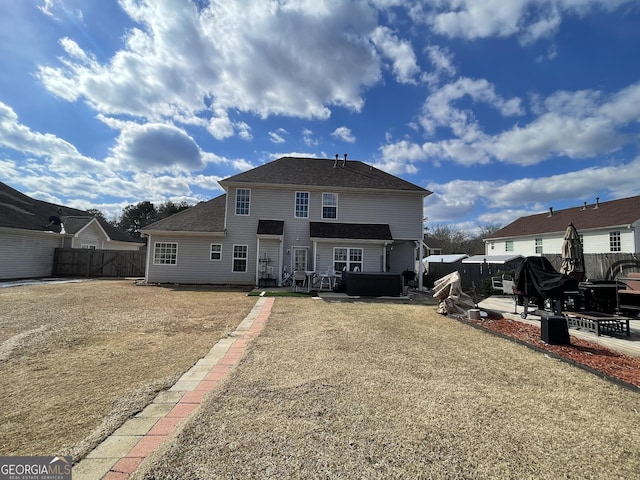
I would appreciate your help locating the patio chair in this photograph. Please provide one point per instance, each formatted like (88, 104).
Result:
(299, 279)
(327, 277)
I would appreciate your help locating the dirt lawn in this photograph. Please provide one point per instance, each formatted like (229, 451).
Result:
(78, 359)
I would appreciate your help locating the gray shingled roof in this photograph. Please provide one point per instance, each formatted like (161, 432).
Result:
(357, 231)
(203, 217)
(323, 173)
(605, 214)
(18, 210)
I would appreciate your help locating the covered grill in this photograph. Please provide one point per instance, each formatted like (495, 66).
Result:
(537, 280)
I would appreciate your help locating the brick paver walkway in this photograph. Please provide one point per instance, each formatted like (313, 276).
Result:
(119, 455)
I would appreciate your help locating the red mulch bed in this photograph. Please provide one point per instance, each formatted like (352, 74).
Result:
(594, 356)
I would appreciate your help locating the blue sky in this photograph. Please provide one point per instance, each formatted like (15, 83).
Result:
(501, 108)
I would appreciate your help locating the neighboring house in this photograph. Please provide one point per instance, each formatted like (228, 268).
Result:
(603, 227)
(31, 230)
(432, 246)
(288, 215)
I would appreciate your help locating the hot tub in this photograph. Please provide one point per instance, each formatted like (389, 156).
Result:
(367, 284)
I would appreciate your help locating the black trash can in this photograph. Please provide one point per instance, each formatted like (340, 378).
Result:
(554, 330)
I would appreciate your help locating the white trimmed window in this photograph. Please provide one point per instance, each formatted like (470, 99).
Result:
(349, 259)
(165, 253)
(243, 201)
(508, 246)
(216, 251)
(302, 205)
(615, 243)
(329, 205)
(538, 245)
(240, 256)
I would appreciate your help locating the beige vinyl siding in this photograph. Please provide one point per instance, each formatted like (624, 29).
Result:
(193, 263)
(270, 250)
(92, 234)
(25, 254)
(403, 213)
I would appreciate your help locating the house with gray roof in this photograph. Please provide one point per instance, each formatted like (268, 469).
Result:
(291, 214)
(31, 230)
(604, 227)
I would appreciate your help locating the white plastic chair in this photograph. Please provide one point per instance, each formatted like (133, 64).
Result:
(299, 279)
(327, 276)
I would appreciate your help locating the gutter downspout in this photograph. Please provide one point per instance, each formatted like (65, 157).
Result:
(420, 245)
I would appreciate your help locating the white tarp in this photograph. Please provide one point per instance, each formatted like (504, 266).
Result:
(451, 298)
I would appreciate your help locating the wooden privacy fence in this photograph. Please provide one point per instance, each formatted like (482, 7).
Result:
(604, 266)
(85, 262)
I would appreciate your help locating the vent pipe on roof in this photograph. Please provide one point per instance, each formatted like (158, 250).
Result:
(597, 202)
(551, 211)
(336, 162)
(344, 162)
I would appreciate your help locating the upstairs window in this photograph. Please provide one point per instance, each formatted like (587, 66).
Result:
(508, 246)
(243, 201)
(329, 205)
(615, 243)
(302, 205)
(538, 245)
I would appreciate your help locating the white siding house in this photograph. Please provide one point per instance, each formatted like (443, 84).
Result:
(31, 230)
(604, 227)
(291, 214)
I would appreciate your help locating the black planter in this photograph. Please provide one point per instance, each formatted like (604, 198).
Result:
(554, 330)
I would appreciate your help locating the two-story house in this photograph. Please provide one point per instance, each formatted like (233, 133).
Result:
(604, 227)
(291, 214)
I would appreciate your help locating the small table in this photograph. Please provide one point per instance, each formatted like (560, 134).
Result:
(598, 323)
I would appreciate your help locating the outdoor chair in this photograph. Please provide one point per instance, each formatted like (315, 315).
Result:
(299, 279)
(327, 277)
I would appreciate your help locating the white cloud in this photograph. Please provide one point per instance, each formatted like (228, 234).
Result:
(344, 134)
(531, 20)
(506, 201)
(251, 63)
(405, 66)
(438, 109)
(576, 125)
(61, 155)
(278, 135)
(308, 139)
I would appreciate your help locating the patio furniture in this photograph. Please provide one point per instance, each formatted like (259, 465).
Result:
(628, 298)
(327, 277)
(598, 322)
(300, 279)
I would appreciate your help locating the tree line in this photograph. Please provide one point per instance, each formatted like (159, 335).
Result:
(135, 217)
(457, 240)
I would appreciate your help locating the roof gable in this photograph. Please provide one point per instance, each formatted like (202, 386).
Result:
(624, 211)
(324, 173)
(203, 217)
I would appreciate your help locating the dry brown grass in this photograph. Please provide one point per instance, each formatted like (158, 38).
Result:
(76, 360)
(370, 390)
